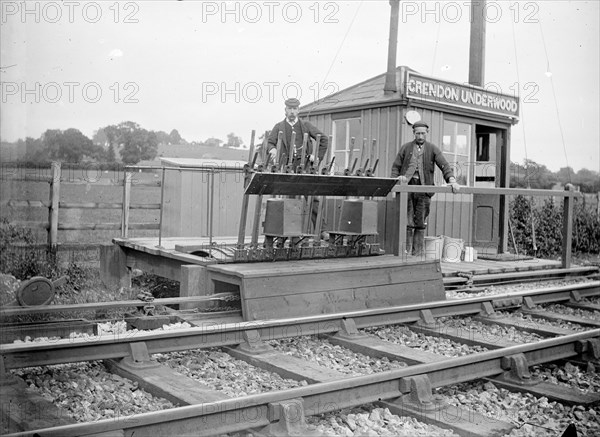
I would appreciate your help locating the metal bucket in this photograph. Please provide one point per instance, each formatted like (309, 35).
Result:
(453, 248)
(433, 247)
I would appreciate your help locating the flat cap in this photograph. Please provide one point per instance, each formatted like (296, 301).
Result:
(420, 124)
(292, 103)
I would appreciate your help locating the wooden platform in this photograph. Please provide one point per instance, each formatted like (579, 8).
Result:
(312, 287)
(303, 287)
(167, 250)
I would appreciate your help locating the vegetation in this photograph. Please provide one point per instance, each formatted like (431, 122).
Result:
(126, 142)
(537, 231)
(534, 175)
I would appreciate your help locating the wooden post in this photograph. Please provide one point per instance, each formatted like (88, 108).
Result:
(567, 229)
(193, 283)
(211, 212)
(477, 44)
(399, 242)
(126, 200)
(246, 198)
(390, 76)
(162, 207)
(53, 210)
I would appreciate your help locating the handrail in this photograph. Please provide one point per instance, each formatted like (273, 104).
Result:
(480, 190)
(401, 198)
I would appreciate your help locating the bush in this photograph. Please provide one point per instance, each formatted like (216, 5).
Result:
(17, 256)
(545, 223)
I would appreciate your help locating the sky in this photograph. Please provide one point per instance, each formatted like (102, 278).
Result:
(211, 68)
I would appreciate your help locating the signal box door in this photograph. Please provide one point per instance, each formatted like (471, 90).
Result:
(489, 144)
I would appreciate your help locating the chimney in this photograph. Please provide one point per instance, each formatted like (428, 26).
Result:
(477, 43)
(390, 75)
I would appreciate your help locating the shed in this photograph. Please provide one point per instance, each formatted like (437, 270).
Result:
(470, 124)
(189, 210)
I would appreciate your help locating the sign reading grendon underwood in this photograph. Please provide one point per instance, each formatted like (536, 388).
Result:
(461, 96)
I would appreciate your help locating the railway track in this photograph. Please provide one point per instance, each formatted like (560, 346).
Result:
(405, 391)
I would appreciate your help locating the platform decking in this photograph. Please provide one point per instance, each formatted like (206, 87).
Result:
(477, 267)
(278, 289)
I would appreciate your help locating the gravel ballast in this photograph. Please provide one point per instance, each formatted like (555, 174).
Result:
(404, 336)
(88, 392)
(534, 416)
(323, 353)
(220, 371)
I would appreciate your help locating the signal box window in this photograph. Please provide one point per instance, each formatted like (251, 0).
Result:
(456, 147)
(343, 131)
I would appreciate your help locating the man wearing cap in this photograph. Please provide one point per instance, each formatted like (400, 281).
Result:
(290, 124)
(414, 165)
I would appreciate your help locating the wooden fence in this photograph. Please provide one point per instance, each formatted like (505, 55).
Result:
(54, 204)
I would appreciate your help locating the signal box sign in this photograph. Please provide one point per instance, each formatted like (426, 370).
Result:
(455, 95)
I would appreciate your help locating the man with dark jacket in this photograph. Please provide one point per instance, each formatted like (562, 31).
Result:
(414, 165)
(290, 124)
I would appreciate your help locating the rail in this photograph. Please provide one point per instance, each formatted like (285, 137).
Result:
(213, 334)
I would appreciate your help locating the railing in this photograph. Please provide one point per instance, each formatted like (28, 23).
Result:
(401, 201)
(398, 236)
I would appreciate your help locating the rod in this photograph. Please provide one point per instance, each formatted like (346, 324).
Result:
(162, 207)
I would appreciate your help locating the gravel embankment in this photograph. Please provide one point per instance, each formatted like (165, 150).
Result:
(88, 392)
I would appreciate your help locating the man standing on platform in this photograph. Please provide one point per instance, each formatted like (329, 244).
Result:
(293, 124)
(414, 165)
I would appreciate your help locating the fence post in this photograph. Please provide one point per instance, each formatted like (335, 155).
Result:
(126, 200)
(401, 207)
(53, 210)
(567, 229)
(162, 207)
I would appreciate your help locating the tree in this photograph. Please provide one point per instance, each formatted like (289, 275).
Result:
(70, 146)
(99, 138)
(565, 175)
(132, 141)
(531, 175)
(174, 137)
(110, 154)
(162, 137)
(138, 144)
(34, 150)
(233, 141)
(588, 180)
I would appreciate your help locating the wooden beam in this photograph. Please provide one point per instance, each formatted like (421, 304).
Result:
(567, 228)
(477, 43)
(53, 210)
